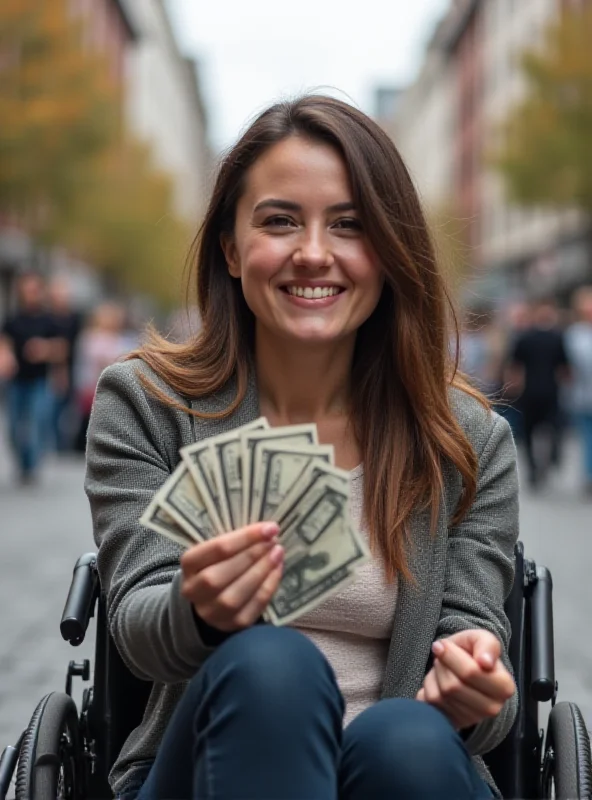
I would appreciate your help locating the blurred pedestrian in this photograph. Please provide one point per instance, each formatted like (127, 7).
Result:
(68, 323)
(516, 319)
(538, 365)
(578, 340)
(31, 343)
(100, 344)
(478, 352)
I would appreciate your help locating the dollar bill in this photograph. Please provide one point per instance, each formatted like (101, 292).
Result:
(252, 442)
(227, 450)
(159, 520)
(307, 479)
(277, 470)
(200, 462)
(256, 473)
(181, 498)
(322, 550)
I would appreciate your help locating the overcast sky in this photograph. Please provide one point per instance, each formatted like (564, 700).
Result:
(253, 52)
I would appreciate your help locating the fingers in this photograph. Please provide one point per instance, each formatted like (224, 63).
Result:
(468, 702)
(496, 683)
(232, 594)
(481, 644)
(462, 705)
(213, 580)
(251, 612)
(226, 545)
(430, 693)
(487, 649)
(239, 593)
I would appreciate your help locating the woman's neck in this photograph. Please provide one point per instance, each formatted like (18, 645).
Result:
(303, 384)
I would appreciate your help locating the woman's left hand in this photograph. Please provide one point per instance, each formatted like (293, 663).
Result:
(468, 681)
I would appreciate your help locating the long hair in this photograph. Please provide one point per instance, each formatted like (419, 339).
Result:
(402, 368)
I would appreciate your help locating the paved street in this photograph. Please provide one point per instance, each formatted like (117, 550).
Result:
(47, 527)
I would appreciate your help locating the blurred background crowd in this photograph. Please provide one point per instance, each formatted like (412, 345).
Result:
(106, 157)
(534, 361)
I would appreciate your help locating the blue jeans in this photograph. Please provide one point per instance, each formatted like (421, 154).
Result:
(59, 422)
(262, 720)
(28, 405)
(584, 422)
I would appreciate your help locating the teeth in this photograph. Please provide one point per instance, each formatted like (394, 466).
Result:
(314, 294)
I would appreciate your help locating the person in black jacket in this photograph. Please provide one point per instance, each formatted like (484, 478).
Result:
(539, 363)
(32, 339)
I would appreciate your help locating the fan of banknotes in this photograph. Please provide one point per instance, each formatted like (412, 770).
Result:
(256, 473)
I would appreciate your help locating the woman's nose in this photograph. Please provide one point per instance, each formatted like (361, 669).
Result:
(313, 251)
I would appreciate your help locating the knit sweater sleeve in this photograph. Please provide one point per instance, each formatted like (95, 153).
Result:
(152, 625)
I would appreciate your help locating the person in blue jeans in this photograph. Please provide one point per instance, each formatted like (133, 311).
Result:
(321, 302)
(34, 343)
(578, 341)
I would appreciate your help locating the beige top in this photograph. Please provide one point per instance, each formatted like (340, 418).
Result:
(353, 628)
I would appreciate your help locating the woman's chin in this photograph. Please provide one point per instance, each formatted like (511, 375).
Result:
(308, 337)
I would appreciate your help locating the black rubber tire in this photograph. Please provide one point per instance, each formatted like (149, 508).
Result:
(51, 750)
(571, 767)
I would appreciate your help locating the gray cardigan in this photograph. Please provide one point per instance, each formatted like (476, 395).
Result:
(464, 572)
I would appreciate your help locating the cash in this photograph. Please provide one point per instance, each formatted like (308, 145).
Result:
(256, 473)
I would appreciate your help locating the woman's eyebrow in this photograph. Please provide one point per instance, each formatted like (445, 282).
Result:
(289, 205)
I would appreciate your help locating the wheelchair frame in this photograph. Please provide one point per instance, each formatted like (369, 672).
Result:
(115, 703)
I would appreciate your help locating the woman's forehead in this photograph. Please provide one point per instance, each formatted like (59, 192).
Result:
(298, 166)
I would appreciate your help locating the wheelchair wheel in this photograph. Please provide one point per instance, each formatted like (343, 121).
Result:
(567, 769)
(50, 760)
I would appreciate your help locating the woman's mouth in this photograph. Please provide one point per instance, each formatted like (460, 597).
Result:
(312, 292)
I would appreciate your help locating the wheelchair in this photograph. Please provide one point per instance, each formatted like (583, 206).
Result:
(67, 753)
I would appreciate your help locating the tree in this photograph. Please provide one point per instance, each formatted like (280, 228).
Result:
(68, 172)
(546, 157)
(58, 108)
(124, 223)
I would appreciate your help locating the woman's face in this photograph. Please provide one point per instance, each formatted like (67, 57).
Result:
(308, 272)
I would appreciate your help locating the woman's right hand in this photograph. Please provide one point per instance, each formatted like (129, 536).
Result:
(231, 579)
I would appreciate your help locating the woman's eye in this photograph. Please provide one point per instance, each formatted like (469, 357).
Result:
(349, 223)
(278, 222)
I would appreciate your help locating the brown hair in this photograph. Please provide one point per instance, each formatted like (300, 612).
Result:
(402, 368)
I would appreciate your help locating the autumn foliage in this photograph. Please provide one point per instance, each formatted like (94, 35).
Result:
(69, 173)
(547, 156)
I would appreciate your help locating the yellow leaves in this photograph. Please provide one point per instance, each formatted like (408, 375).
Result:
(56, 104)
(123, 221)
(61, 151)
(547, 157)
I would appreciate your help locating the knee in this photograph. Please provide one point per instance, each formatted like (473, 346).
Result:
(271, 664)
(404, 735)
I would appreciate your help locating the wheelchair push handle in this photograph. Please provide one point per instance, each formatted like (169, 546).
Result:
(8, 762)
(542, 685)
(79, 606)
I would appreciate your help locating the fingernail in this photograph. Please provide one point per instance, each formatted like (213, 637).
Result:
(277, 554)
(487, 659)
(270, 529)
(437, 648)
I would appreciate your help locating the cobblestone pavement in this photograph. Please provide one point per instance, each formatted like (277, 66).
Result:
(46, 527)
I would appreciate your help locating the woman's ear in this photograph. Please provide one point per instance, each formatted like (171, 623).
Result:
(228, 246)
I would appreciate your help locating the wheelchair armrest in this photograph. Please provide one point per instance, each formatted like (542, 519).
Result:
(542, 683)
(80, 605)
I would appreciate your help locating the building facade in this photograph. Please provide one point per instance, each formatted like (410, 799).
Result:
(164, 107)
(423, 126)
(447, 127)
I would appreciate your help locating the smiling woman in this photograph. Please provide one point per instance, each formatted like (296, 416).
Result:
(308, 272)
(321, 301)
